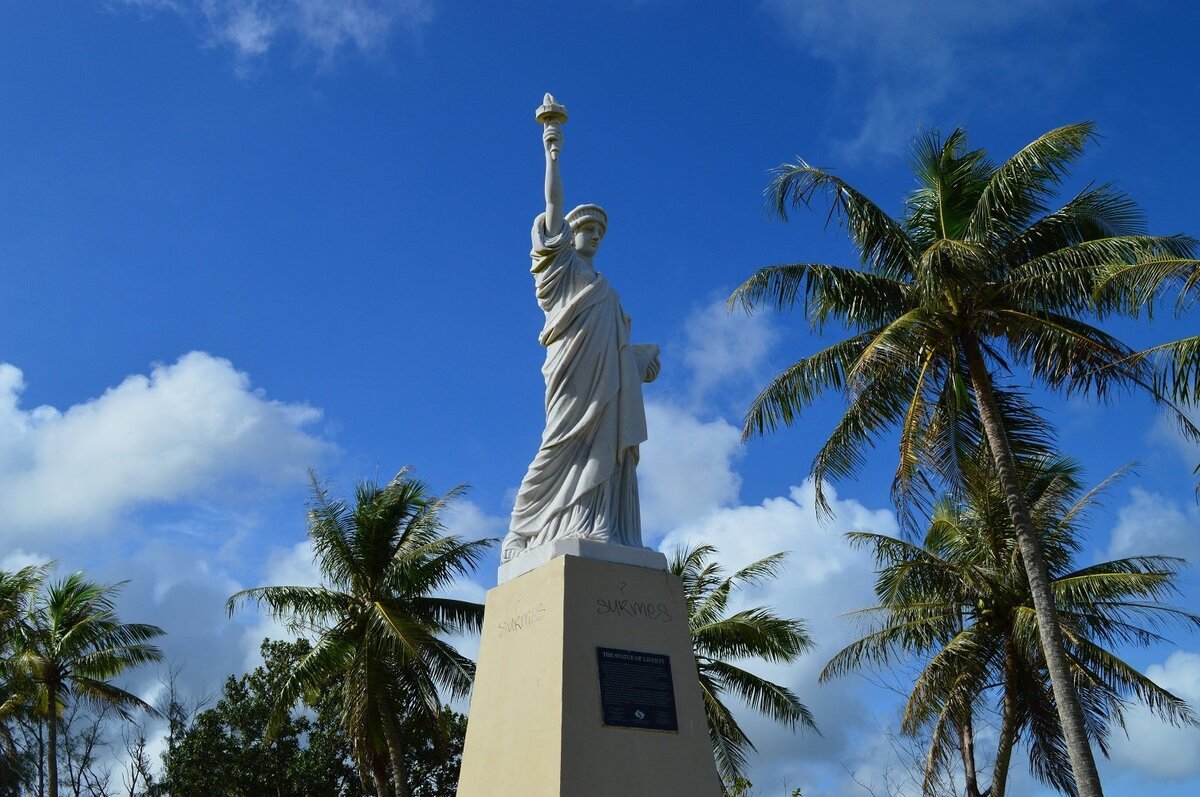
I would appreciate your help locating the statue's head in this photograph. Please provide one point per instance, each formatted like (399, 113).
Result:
(588, 225)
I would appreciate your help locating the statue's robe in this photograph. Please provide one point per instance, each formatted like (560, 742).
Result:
(583, 481)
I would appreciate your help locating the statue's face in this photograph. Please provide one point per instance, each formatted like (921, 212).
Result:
(587, 238)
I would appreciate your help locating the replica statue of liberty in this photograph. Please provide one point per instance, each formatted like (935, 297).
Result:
(583, 481)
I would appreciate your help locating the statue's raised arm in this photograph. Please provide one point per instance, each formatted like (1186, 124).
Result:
(582, 483)
(553, 116)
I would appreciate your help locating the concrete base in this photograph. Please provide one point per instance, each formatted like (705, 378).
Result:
(536, 726)
(587, 549)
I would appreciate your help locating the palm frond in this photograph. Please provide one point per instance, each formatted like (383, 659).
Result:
(1021, 186)
(860, 299)
(1136, 285)
(782, 401)
(881, 240)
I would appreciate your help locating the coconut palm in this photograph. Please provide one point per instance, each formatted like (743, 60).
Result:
(16, 592)
(379, 631)
(979, 278)
(959, 604)
(68, 648)
(717, 637)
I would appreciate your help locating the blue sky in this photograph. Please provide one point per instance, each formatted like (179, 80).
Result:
(240, 239)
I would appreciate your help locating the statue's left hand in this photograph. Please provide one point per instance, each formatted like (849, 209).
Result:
(652, 370)
(647, 360)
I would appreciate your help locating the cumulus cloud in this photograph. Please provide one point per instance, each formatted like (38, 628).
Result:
(183, 430)
(824, 580)
(182, 590)
(896, 63)
(724, 347)
(466, 519)
(1151, 524)
(323, 28)
(1166, 431)
(15, 560)
(292, 566)
(1150, 745)
(686, 469)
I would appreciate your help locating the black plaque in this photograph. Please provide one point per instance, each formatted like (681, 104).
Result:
(636, 690)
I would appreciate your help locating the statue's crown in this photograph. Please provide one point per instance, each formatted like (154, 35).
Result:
(588, 213)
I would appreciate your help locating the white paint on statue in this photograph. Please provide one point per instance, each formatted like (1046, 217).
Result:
(582, 483)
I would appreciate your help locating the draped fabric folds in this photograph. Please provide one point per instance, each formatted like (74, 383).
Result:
(582, 482)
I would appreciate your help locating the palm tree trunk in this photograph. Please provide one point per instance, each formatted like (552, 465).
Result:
(379, 772)
(395, 748)
(52, 744)
(966, 745)
(41, 759)
(1008, 727)
(1070, 712)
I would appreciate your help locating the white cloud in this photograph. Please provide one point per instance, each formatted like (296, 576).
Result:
(724, 346)
(466, 519)
(896, 63)
(686, 468)
(182, 590)
(15, 560)
(1154, 747)
(286, 567)
(1153, 525)
(823, 581)
(1166, 430)
(295, 566)
(182, 431)
(324, 28)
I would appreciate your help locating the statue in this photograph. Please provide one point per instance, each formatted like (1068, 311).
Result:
(583, 480)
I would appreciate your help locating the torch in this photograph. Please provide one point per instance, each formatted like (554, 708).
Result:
(549, 113)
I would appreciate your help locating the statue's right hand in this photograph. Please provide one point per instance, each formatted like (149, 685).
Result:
(552, 137)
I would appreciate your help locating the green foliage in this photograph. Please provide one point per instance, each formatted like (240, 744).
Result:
(379, 627)
(435, 759)
(718, 637)
(959, 604)
(224, 753)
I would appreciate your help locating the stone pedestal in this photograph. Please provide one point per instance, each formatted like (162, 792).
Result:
(537, 725)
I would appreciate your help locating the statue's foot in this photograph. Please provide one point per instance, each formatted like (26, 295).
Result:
(514, 545)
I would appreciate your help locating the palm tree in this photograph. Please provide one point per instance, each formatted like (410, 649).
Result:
(960, 604)
(378, 627)
(16, 592)
(751, 633)
(68, 648)
(980, 277)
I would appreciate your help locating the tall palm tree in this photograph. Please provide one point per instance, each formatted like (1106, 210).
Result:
(757, 633)
(960, 605)
(70, 645)
(379, 629)
(979, 277)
